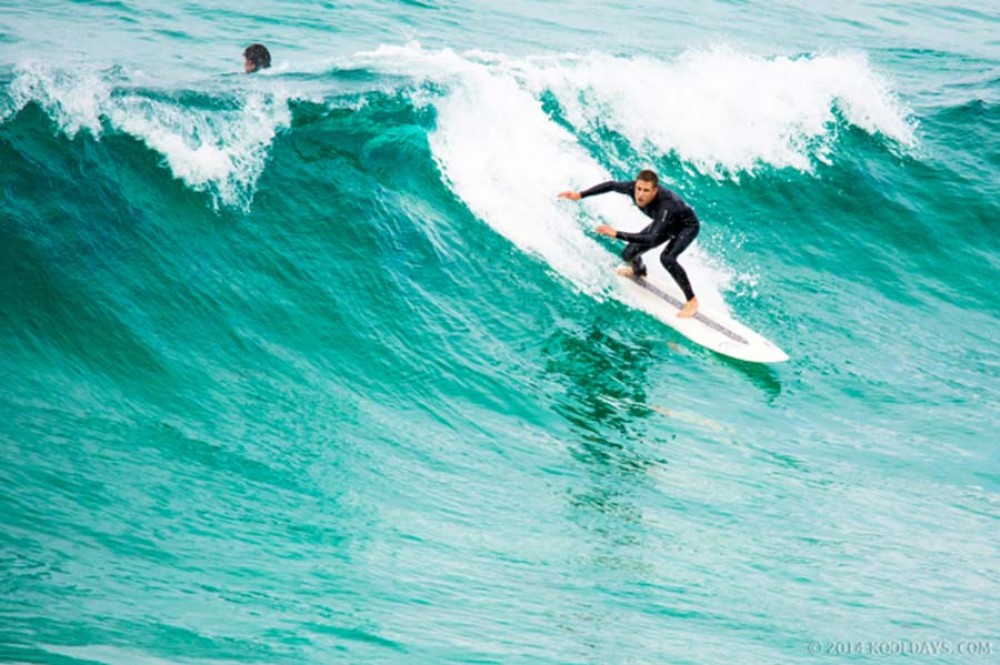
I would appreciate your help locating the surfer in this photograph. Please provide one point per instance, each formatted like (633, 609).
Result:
(256, 56)
(674, 223)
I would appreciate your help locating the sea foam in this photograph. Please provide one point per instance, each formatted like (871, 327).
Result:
(721, 111)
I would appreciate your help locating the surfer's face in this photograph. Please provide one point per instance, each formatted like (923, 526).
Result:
(644, 192)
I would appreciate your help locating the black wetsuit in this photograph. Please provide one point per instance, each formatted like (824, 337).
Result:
(673, 220)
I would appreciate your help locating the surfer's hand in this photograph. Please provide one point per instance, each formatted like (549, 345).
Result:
(606, 230)
(572, 196)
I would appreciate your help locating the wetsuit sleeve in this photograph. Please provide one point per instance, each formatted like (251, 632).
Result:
(653, 234)
(622, 187)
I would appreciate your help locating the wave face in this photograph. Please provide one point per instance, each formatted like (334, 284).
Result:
(314, 366)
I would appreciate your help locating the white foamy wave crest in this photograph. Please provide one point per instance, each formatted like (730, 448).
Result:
(507, 160)
(221, 150)
(721, 111)
(74, 101)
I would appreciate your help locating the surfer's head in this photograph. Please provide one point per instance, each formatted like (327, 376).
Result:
(256, 56)
(645, 187)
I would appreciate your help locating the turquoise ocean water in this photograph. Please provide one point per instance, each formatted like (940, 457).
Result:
(312, 366)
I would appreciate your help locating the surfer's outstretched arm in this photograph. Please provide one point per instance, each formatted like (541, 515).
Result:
(622, 187)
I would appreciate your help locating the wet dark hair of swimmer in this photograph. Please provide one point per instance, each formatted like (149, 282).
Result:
(256, 56)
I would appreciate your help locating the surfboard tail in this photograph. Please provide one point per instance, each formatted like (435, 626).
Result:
(713, 330)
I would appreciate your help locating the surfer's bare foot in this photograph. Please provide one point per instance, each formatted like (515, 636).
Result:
(626, 271)
(690, 309)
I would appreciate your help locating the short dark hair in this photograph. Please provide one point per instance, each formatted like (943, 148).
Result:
(258, 55)
(649, 176)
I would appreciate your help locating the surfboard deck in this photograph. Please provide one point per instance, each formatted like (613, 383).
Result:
(709, 328)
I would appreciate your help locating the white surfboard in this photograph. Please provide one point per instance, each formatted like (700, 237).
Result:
(710, 328)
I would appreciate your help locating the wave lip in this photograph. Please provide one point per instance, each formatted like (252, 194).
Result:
(216, 145)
